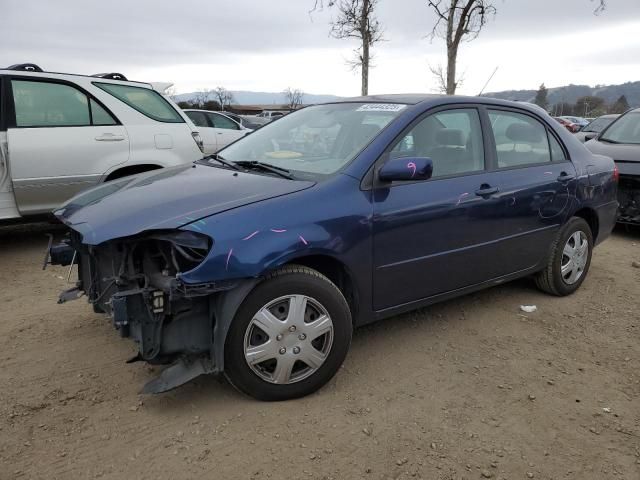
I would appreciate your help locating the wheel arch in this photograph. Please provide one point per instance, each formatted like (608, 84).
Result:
(590, 216)
(224, 306)
(131, 170)
(337, 272)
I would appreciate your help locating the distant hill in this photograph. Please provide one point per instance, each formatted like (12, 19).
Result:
(263, 98)
(571, 93)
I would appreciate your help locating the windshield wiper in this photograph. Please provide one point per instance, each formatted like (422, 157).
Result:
(220, 159)
(249, 164)
(604, 139)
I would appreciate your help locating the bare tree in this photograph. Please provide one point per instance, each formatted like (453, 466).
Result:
(201, 97)
(223, 96)
(356, 19)
(601, 5)
(294, 97)
(171, 92)
(458, 20)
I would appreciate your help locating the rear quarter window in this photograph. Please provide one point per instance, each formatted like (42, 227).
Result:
(146, 101)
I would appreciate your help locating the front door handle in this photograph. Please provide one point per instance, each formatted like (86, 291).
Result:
(565, 177)
(486, 190)
(109, 137)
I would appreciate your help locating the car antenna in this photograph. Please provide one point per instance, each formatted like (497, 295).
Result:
(487, 83)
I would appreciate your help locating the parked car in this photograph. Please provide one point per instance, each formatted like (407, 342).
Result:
(595, 127)
(621, 141)
(62, 133)
(216, 129)
(271, 115)
(581, 122)
(258, 262)
(244, 121)
(570, 126)
(256, 120)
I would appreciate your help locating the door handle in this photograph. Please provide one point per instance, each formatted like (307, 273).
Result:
(486, 190)
(109, 137)
(565, 177)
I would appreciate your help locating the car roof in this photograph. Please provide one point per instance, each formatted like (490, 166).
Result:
(72, 77)
(437, 99)
(408, 98)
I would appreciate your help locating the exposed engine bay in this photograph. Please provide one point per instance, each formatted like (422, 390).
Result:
(136, 282)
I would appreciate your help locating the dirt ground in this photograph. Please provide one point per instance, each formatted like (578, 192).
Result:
(468, 389)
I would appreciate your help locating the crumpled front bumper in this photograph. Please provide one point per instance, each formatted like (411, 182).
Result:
(171, 322)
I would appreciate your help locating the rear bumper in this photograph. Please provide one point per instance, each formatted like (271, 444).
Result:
(607, 215)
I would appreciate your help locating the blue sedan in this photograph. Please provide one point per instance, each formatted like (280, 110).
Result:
(259, 261)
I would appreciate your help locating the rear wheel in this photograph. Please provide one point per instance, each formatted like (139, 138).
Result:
(569, 259)
(289, 337)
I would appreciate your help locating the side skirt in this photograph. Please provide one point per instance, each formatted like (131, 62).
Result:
(424, 302)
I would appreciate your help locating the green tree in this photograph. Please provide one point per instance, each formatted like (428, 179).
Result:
(541, 97)
(619, 106)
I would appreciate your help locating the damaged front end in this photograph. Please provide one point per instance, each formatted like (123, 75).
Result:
(629, 199)
(137, 282)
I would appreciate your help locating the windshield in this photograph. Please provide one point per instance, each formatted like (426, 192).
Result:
(316, 140)
(598, 124)
(626, 129)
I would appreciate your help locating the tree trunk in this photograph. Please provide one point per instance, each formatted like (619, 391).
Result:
(365, 67)
(365, 34)
(452, 54)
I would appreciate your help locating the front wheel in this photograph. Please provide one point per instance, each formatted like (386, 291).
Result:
(289, 337)
(569, 259)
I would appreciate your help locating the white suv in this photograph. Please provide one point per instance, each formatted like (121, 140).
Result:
(62, 133)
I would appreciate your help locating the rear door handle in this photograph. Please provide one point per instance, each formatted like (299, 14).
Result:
(486, 190)
(109, 137)
(565, 177)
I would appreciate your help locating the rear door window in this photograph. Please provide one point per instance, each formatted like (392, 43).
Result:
(199, 119)
(522, 140)
(145, 100)
(220, 121)
(47, 104)
(99, 116)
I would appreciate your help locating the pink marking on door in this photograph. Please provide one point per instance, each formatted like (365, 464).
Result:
(303, 240)
(465, 194)
(412, 166)
(226, 267)
(278, 230)
(251, 235)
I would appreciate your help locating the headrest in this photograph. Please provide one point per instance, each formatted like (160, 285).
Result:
(450, 137)
(522, 132)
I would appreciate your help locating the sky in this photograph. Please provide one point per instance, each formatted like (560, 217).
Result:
(269, 45)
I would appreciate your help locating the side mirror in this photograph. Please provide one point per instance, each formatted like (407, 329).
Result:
(590, 136)
(406, 169)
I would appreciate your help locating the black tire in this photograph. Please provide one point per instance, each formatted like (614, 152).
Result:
(550, 280)
(289, 280)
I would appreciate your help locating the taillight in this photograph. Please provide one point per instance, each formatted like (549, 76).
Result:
(198, 139)
(616, 173)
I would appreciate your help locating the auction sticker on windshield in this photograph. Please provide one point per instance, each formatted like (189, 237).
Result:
(381, 107)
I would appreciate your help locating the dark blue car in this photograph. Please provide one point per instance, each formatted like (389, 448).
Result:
(259, 262)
